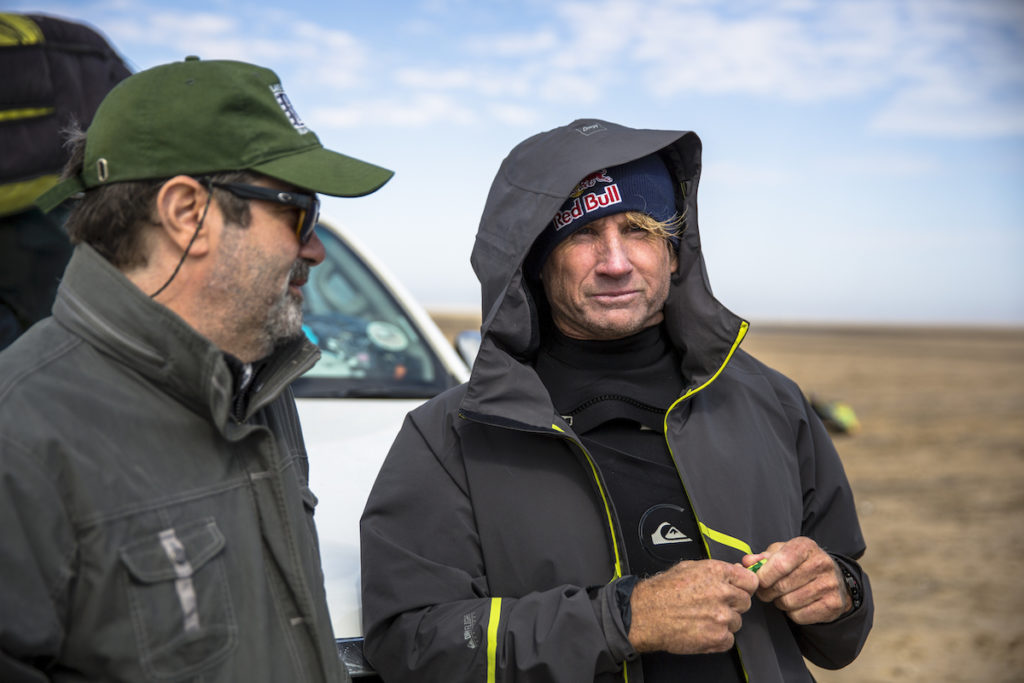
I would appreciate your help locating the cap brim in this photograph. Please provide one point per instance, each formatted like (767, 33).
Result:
(327, 172)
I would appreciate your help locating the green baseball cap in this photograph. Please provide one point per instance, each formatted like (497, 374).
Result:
(196, 117)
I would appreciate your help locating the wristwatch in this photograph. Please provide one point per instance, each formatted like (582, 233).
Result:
(852, 586)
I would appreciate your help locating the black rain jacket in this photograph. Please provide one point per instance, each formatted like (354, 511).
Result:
(490, 548)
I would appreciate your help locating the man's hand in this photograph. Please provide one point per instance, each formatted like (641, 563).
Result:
(802, 580)
(691, 608)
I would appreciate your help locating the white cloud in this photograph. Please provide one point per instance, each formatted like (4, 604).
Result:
(517, 45)
(901, 53)
(876, 166)
(202, 23)
(727, 174)
(484, 81)
(422, 110)
(328, 58)
(787, 55)
(513, 114)
(435, 79)
(568, 87)
(941, 112)
(929, 67)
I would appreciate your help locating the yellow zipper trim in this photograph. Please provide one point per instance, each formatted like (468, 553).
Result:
(492, 640)
(706, 531)
(724, 539)
(611, 524)
(744, 326)
(495, 616)
(604, 499)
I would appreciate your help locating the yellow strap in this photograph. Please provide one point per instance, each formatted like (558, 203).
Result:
(18, 30)
(17, 197)
(492, 640)
(724, 539)
(26, 113)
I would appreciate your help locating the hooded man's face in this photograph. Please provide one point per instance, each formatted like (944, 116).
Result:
(608, 280)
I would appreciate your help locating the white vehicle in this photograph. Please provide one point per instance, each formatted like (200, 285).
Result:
(382, 357)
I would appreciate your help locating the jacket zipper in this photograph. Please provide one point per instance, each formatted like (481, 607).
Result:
(604, 499)
(706, 531)
(612, 527)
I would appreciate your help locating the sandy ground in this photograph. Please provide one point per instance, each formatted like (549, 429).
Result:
(938, 472)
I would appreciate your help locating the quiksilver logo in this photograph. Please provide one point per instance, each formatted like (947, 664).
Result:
(667, 533)
(288, 109)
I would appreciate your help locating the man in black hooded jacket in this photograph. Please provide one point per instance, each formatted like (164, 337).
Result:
(596, 502)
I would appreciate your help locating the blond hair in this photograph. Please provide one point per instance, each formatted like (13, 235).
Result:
(673, 227)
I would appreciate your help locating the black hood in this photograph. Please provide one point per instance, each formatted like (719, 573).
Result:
(532, 183)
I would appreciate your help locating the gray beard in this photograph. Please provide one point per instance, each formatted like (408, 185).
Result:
(284, 319)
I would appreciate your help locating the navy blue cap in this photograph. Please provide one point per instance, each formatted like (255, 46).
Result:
(643, 185)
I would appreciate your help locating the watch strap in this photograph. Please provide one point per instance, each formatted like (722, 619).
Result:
(852, 585)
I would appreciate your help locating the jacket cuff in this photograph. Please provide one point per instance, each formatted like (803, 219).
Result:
(623, 593)
(613, 601)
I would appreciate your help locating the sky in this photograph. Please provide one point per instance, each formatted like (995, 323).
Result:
(863, 159)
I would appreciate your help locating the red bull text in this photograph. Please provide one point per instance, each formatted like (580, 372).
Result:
(581, 206)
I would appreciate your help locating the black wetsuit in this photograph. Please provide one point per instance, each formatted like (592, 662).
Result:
(615, 394)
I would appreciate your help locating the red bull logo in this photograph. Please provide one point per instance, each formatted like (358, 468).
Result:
(591, 180)
(581, 206)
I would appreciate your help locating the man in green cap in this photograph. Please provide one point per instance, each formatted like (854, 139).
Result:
(154, 498)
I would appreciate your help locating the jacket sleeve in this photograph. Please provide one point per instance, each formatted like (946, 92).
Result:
(830, 518)
(36, 556)
(428, 612)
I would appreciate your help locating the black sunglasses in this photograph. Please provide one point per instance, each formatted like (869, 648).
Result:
(307, 204)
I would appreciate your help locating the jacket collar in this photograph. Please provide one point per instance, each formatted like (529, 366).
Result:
(98, 303)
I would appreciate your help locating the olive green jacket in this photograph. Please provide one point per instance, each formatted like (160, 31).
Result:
(147, 535)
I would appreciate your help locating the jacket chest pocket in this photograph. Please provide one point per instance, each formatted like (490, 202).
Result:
(179, 598)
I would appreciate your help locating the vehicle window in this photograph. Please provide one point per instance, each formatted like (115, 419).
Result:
(369, 346)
